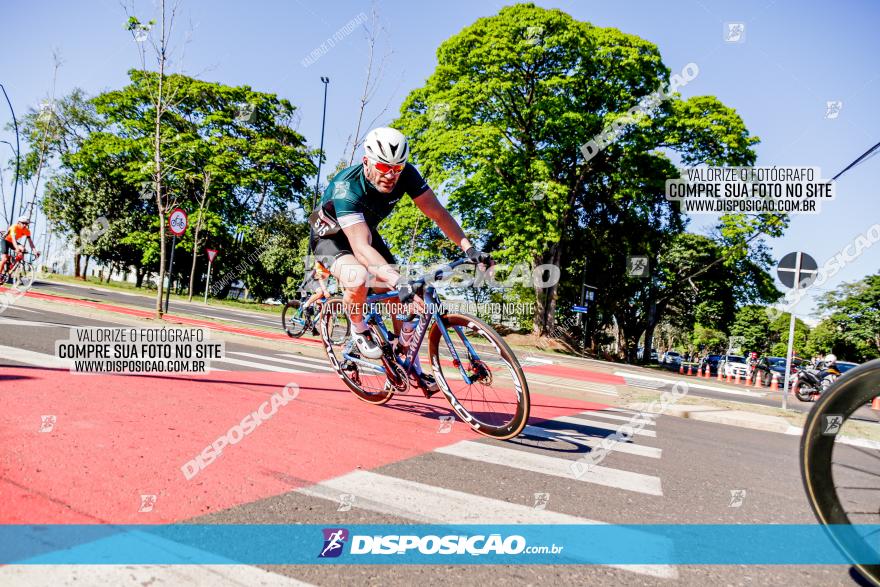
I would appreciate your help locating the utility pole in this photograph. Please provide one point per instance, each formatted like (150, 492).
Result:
(326, 82)
(17, 154)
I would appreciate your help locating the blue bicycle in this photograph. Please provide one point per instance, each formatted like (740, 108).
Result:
(474, 368)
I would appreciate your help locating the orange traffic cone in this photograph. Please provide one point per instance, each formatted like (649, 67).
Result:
(875, 403)
(681, 368)
(720, 376)
(706, 373)
(690, 371)
(774, 383)
(728, 378)
(736, 379)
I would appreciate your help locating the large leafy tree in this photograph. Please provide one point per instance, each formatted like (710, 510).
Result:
(231, 157)
(500, 124)
(854, 311)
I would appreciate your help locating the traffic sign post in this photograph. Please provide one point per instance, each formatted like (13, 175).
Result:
(177, 223)
(795, 270)
(211, 254)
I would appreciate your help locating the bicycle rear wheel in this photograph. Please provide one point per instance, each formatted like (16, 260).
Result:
(840, 454)
(292, 319)
(494, 397)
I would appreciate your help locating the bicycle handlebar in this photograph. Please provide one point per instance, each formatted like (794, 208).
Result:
(438, 275)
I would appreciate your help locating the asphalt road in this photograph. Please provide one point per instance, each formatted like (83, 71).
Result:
(118, 437)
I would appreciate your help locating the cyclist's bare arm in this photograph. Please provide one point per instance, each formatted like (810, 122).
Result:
(324, 288)
(33, 247)
(359, 238)
(431, 207)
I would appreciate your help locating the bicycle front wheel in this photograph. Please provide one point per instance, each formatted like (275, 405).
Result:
(840, 451)
(491, 394)
(292, 319)
(23, 276)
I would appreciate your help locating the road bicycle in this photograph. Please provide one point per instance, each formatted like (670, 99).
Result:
(840, 454)
(21, 273)
(296, 319)
(474, 368)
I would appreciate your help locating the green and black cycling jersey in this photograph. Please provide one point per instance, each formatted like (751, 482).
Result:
(350, 198)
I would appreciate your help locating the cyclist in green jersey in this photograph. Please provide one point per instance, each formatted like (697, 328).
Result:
(344, 235)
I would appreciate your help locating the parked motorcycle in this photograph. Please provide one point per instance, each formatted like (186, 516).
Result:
(808, 383)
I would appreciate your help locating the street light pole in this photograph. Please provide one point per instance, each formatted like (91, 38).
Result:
(17, 154)
(326, 81)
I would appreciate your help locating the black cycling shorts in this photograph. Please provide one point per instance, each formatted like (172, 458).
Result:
(328, 249)
(8, 248)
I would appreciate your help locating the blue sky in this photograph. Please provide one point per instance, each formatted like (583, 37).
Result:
(795, 57)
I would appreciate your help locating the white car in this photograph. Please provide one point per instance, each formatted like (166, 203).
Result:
(733, 364)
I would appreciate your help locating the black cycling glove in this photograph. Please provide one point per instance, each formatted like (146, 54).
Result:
(406, 290)
(476, 256)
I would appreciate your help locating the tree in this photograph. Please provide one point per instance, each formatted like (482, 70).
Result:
(518, 105)
(779, 335)
(854, 309)
(753, 325)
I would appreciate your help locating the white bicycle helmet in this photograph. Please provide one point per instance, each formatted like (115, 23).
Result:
(386, 145)
(830, 359)
(22, 219)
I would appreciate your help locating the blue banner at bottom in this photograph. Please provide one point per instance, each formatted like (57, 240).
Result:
(436, 544)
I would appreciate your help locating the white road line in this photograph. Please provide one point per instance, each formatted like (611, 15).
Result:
(19, 322)
(322, 367)
(319, 360)
(33, 358)
(138, 575)
(21, 309)
(593, 442)
(605, 425)
(626, 374)
(259, 366)
(547, 465)
(435, 505)
(603, 414)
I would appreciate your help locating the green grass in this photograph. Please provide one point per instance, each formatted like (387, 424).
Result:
(131, 288)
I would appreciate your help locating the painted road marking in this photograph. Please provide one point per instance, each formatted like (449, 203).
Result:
(577, 420)
(436, 505)
(547, 465)
(627, 375)
(593, 442)
(258, 366)
(604, 414)
(322, 367)
(138, 575)
(34, 358)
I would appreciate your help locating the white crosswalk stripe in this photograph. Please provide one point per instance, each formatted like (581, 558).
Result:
(548, 465)
(424, 503)
(253, 365)
(578, 421)
(322, 366)
(139, 575)
(33, 358)
(592, 442)
(622, 418)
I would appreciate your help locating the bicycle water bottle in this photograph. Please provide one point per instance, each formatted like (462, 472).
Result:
(407, 331)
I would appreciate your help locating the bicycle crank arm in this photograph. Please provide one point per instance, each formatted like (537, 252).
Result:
(365, 365)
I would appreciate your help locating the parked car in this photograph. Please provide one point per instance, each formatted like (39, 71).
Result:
(672, 359)
(712, 361)
(733, 364)
(844, 366)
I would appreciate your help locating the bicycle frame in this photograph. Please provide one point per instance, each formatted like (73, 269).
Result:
(424, 322)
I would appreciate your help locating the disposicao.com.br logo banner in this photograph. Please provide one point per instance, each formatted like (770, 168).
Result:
(591, 544)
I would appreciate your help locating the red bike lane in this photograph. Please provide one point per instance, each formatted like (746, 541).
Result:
(116, 438)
